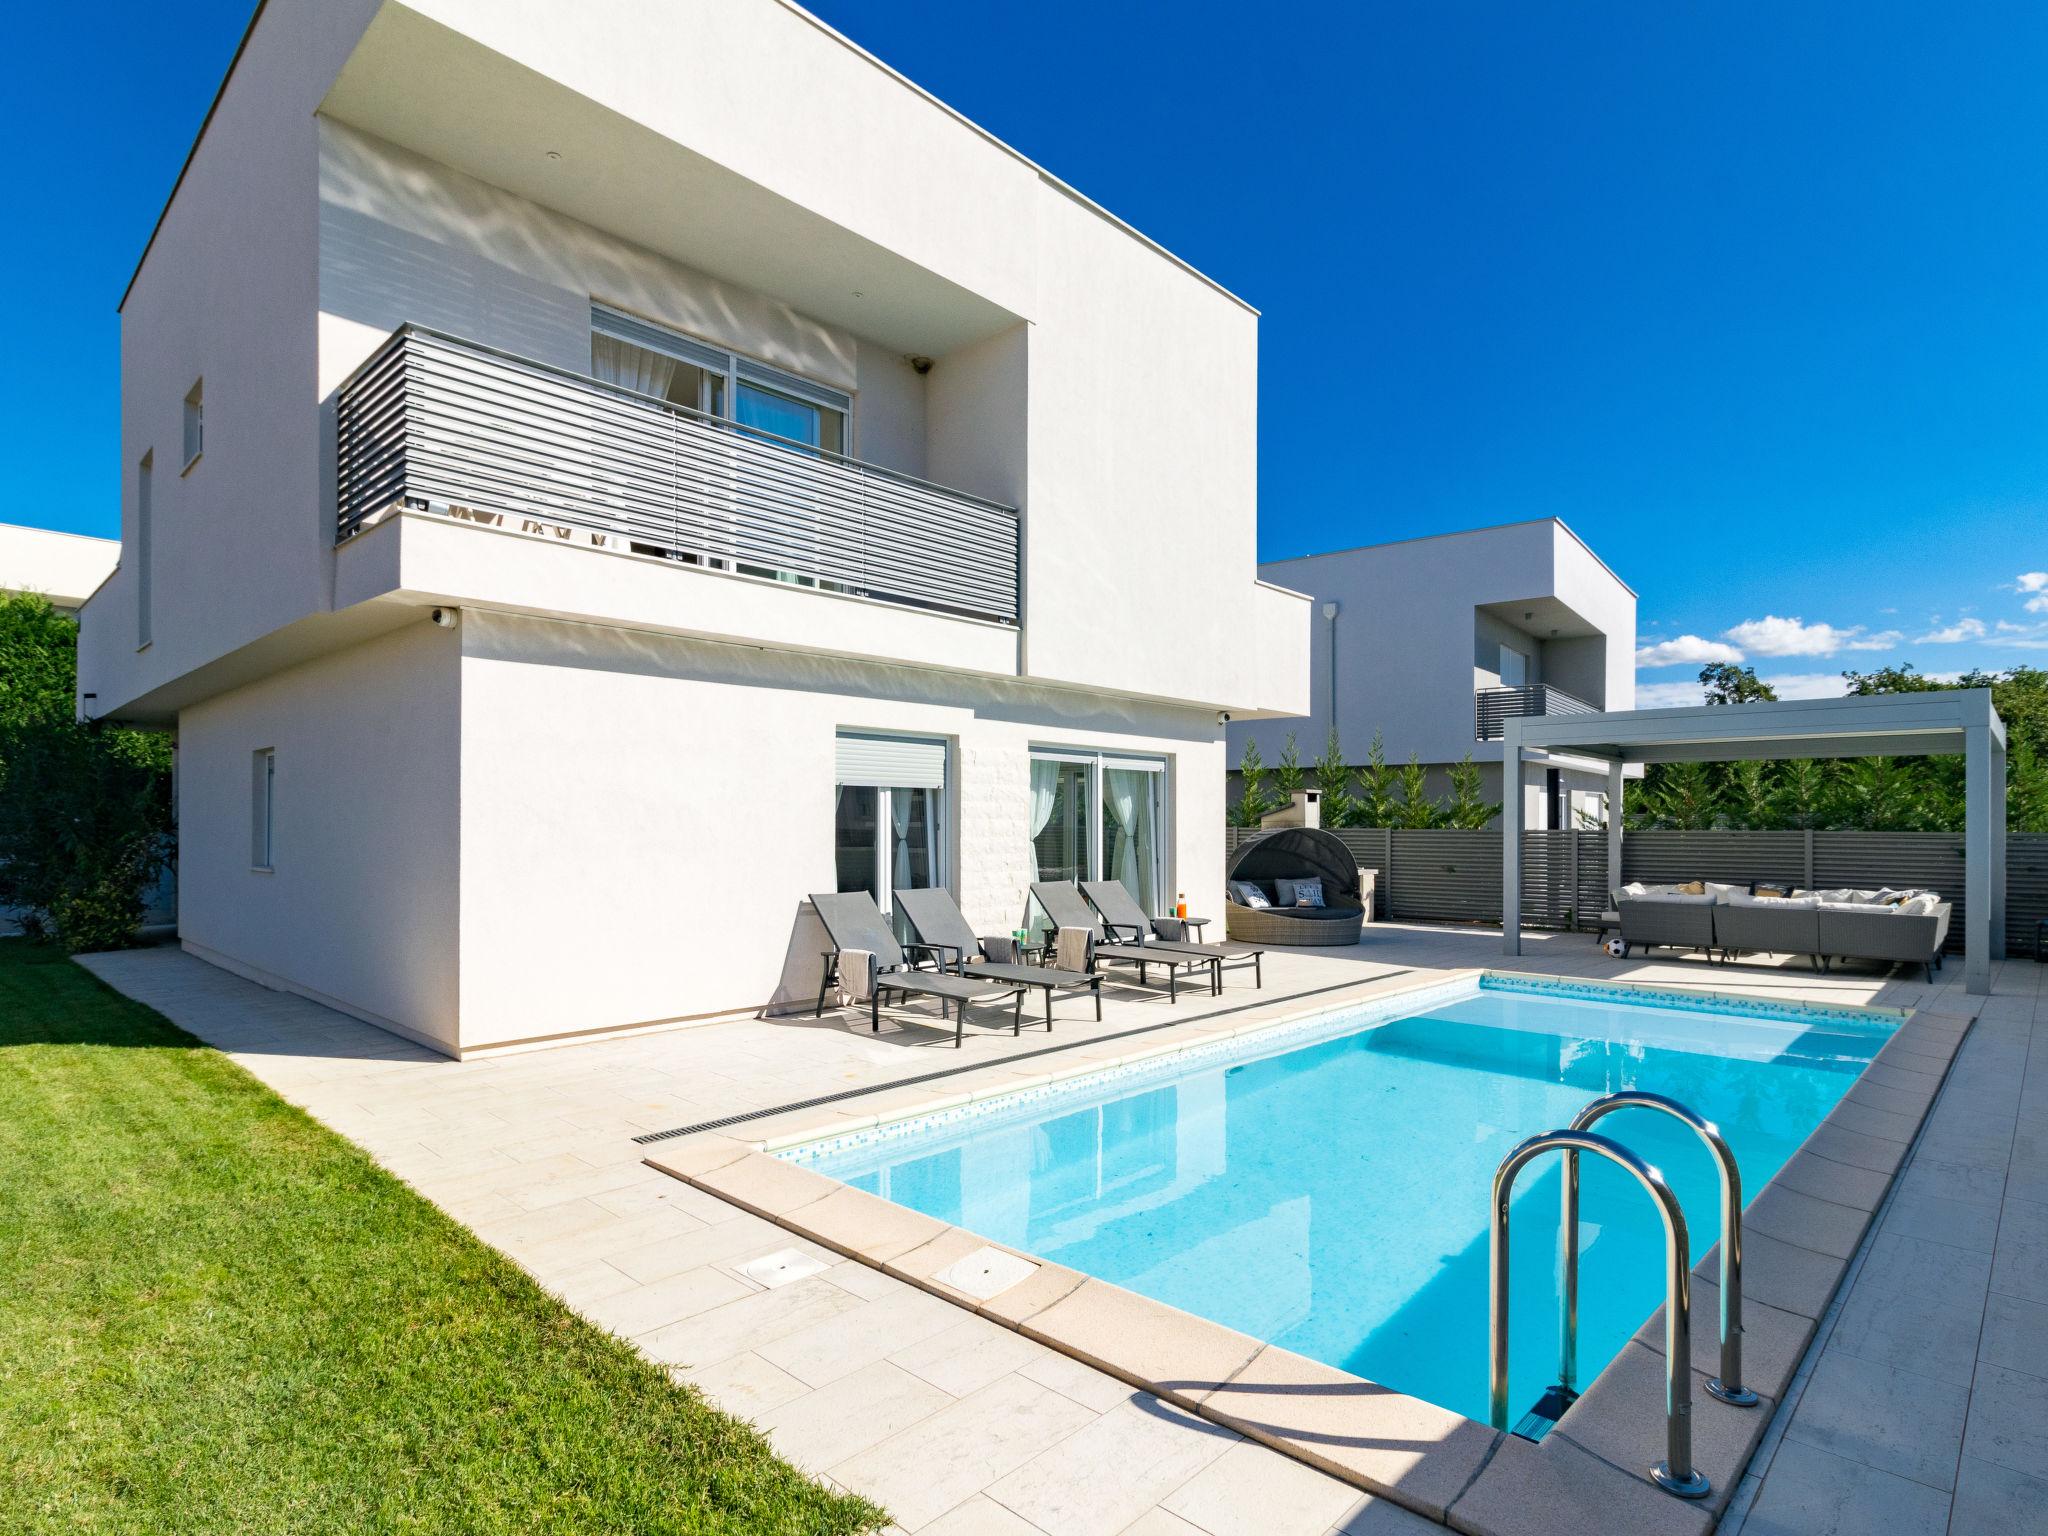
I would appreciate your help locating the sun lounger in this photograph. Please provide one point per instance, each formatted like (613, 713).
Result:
(1122, 915)
(942, 926)
(853, 921)
(1063, 905)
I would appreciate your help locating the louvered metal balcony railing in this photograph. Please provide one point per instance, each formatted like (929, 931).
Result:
(433, 421)
(1495, 706)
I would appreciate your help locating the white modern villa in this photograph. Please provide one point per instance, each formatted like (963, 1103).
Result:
(595, 475)
(1436, 642)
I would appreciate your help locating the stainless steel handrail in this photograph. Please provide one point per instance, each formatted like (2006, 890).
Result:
(1728, 1385)
(1675, 1474)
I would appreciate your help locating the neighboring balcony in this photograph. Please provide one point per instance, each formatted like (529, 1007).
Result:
(434, 422)
(1496, 706)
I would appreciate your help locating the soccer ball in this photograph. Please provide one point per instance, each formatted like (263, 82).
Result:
(1616, 948)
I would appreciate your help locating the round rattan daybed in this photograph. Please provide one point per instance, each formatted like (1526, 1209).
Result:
(1296, 853)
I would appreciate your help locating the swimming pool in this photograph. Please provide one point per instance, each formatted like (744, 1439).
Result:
(1324, 1186)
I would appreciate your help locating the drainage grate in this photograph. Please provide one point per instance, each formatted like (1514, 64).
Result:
(946, 1072)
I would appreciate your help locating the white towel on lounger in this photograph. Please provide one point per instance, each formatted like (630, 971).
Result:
(856, 975)
(1070, 949)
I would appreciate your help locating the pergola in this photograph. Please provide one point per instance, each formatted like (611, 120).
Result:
(1953, 721)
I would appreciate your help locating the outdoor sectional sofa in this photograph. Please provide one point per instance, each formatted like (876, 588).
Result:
(1904, 927)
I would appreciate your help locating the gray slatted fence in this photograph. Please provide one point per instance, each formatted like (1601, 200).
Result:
(1453, 876)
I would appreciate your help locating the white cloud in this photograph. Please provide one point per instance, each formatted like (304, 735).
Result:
(1688, 649)
(1953, 634)
(1668, 695)
(2033, 585)
(1807, 685)
(1773, 636)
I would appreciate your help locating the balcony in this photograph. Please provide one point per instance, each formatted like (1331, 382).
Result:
(1495, 706)
(434, 422)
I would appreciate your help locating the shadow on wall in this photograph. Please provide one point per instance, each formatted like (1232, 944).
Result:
(803, 965)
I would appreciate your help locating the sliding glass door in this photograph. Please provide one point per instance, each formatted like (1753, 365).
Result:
(1095, 816)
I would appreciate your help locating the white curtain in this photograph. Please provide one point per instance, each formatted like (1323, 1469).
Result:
(899, 814)
(1045, 789)
(636, 368)
(1127, 795)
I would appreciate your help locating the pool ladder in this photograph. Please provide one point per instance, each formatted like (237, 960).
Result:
(1676, 1473)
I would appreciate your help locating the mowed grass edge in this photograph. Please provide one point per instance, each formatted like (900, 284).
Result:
(217, 1315)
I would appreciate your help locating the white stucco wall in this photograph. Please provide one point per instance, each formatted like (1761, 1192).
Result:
(359, 909)
(227, 293)
(403, 239)
(1411, 646)
(643, 816)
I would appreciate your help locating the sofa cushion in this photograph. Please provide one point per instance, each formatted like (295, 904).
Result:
(1924, 904)
(1777, 889)
(1673, 898)
(1782, 903)
(1248, 894)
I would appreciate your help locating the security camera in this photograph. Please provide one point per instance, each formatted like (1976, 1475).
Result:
(444, 617)
(1223, 717)
(921, 364)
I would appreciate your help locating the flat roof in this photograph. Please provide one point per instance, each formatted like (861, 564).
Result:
(1935, 722)
(1461, 533)
(823, 26)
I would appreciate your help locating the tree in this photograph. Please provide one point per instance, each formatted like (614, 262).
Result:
(1466, 809)
(1333, 778)
(1416, 809)
(1746, 794)
(1878, 794)
(85, 809)
(1251, 800)
(1681, 797)
(1727, 683)
(1376, 787)
(1799, 794)
(1287, 774)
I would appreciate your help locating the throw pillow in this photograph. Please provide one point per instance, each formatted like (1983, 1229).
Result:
(1690, 888)
(1308, 893)
(1775, 888)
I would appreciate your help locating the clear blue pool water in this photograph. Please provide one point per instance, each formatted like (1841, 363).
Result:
(1331, 1195)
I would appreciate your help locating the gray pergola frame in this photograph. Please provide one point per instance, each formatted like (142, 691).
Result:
(1945, 722)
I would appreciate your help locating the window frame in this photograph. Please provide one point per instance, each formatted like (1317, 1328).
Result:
(737, 367)
(263, 811)
(195, 424)
(940, 802)
(1098, 762)
(145, 550)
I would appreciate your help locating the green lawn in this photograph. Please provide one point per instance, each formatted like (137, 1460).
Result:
(216, 1315)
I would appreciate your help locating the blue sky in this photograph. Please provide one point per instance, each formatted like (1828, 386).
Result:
(1756, 299)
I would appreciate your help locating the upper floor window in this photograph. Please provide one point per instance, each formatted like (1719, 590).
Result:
(651, 360)
(145, 536)
(195, 423)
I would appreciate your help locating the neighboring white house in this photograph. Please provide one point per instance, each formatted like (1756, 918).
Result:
(1433, 642)
(64, 567)
(595, 474)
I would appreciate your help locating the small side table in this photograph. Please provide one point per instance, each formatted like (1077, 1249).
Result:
(1181, 929)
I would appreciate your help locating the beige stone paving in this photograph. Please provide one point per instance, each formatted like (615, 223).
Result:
(959, 1424)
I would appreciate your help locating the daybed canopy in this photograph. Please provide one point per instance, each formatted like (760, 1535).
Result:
(1297, 853)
